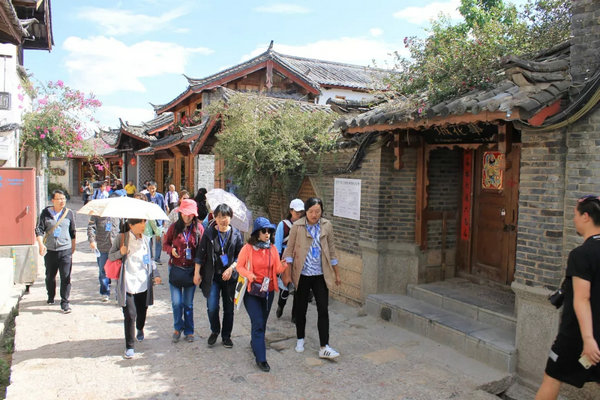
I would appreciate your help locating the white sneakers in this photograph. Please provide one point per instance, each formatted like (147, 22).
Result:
(328, 352)
(325, 352)
(300, 346)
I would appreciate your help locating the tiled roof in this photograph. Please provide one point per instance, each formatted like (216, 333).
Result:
(528, 87)
(316, 73)
(158, 122)
(187, 135)
(138, 131)
(110, 137)
(273, 103)
(343, 106)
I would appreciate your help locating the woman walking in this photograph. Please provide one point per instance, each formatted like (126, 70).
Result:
(216, 260)
(181, 241)
(138, 274)
(259, 263)
(87, 192)
(311, 253)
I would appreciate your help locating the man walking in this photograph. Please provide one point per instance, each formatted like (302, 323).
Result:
(172, 198)
(55, 233)
(156, 198)
(575, 355)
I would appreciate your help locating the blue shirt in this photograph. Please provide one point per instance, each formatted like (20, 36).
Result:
(312, 264)
(160, 200)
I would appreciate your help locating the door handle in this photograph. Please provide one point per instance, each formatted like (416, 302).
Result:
(509, 228)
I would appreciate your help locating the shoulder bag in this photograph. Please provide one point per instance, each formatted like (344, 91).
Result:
(64, 214)
(112, 268)
(241, 285)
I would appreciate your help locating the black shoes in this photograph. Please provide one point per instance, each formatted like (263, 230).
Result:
(227, 343)
(264, 366)
(212, 339)
(50, 301)
(140, 335)
(279, 311)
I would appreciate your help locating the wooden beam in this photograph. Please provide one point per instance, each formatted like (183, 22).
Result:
(421, 200)
(397, 152)
(437, 121)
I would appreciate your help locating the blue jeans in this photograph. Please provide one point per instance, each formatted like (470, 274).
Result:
(155, 247)
(182, 300)
(258, 309)
(104, 281)
(219, 287)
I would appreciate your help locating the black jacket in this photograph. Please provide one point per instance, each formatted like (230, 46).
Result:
(206, 257)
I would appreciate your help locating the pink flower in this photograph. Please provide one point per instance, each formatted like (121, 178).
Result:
(60, 83)
(20, 96)
(43, 102)
(42, 136)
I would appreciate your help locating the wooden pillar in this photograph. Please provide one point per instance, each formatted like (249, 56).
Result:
(421, 201)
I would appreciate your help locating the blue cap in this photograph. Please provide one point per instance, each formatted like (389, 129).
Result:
(261, 223)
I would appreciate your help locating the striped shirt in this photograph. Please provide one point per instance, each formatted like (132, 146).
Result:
(312, 264)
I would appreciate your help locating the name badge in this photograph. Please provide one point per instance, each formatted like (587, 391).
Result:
(146, 259)
(56, 232)
(224, 259)
(108, 226)
(188, 253)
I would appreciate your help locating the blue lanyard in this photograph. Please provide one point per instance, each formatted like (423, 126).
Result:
(223, 241)
(186, 238)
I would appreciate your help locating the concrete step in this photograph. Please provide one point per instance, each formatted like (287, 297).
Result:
(492, 345)
(487, 305)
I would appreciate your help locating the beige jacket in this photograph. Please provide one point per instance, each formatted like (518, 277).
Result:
(298, 246)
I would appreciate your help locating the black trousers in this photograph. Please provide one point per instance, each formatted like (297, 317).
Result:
(58, 262)
(135, 316)
(319, 288)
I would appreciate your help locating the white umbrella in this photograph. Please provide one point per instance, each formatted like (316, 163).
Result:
(242, 217)
(123, 207)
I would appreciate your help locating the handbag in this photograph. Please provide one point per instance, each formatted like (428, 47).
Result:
(255, 290)
(181, 277)
(558, 297)
(112, 268)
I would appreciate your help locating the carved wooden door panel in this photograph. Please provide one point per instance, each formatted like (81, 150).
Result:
(495, 214)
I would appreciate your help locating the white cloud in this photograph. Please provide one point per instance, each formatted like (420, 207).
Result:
(376, 32)
(105, 65)
(421, 15)
(122, 22)
(282, 8)
(109, 115)
(357, 50)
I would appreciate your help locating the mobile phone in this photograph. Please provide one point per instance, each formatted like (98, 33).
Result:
(585, 361)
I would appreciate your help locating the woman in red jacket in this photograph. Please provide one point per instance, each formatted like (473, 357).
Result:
(180, 243)
(258, 261)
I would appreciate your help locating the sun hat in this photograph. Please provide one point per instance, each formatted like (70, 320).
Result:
(297, 205)
(261, 223)
(188, 207)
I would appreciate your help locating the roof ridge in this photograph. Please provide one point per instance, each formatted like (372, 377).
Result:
(330, 62)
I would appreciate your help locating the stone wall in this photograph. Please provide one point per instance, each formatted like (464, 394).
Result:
(585, 40)
(145, 170)
(205, 171)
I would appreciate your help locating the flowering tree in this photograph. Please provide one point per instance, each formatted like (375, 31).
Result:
(58, 121)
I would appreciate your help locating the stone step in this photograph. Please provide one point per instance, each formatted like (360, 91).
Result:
(483, 307)
(492, 345)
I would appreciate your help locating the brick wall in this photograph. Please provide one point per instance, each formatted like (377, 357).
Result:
(444, 195)
(585, 41)
(539, 260)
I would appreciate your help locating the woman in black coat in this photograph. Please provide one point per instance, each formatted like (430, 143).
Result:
(215, 263)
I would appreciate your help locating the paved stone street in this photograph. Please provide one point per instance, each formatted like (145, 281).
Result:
(79, 356)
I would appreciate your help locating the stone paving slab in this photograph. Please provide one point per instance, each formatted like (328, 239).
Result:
(79, 355)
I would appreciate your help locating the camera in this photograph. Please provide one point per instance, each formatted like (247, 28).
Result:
(557, 298)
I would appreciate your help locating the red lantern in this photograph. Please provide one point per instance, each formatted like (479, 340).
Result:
(133, 162)
(120, 162)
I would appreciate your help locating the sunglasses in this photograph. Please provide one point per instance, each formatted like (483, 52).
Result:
(265, 230)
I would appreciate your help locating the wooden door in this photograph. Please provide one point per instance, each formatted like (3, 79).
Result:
(495, 215)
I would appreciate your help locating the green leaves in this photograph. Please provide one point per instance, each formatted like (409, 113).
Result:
(457, 58)
(263, 144)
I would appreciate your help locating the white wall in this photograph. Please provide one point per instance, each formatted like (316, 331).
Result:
(347, 94)
(10, 82)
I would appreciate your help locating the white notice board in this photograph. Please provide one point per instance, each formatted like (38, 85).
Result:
(346, 198)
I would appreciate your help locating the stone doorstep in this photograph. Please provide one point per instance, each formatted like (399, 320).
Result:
(495, 315)
(494, 346)
(9, 302)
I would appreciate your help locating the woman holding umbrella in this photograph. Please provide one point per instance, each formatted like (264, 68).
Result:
(216, 260)
(137, 276)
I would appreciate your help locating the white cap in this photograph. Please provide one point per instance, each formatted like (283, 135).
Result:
(297, 205)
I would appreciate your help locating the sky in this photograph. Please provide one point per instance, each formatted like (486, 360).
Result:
(133, 53)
